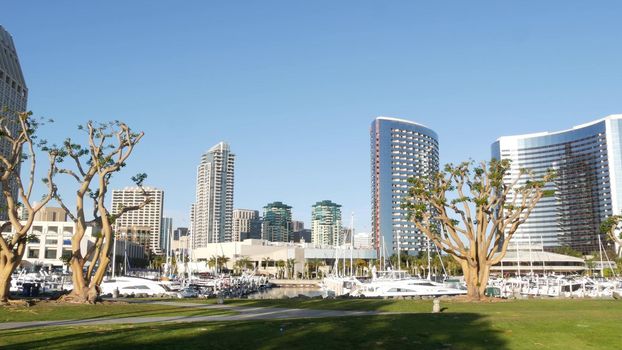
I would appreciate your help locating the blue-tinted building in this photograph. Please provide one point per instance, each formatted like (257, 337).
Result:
(400, 149)
(588, 162)
(166, 235)
(277, 222)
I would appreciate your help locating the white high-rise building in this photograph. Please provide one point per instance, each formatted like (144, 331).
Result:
(213, 208)
(146, 221)
(326, 224)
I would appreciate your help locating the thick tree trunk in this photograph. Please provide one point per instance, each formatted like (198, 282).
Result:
(83, 291)
(5, 286)
(476, 279)
(8, 264)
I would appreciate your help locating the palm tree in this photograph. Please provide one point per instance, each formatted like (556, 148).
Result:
(266, 260)
(360, 264)
(290, 267)
(280, 264)
(244, 263)
(312, 265)
(222, 261)
(212, 261)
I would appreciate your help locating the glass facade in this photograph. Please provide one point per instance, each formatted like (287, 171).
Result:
(277, 222)
(588, 163)
(13, 95)
(400, 149)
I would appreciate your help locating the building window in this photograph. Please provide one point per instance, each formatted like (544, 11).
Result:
(33, 253)
(50, 253)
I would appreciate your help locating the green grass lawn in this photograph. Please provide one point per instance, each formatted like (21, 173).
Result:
(46, 311)
(522, 324)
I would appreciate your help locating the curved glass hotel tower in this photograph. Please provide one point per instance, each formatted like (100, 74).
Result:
(400, 149)
(588, 163)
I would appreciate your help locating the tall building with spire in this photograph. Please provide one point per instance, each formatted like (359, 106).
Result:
(13, 95)
(213, 209)
(400, 149)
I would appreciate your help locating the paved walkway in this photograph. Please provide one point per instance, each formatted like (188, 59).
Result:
(243, 314)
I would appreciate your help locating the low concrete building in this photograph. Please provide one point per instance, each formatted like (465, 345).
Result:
(262, 252)
(523, 261)
(52, 240)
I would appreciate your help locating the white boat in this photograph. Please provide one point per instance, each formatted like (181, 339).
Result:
(396, 283)
(136, 286)
(412, 287)
(336, 285)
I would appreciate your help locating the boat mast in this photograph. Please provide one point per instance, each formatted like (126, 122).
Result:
(602, 248)
(114, 254)
(429, 259)
(530, 256)
(382, 255)
(352, 245)
(399, 267)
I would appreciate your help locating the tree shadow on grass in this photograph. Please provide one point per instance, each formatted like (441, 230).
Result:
(162, 311)
(338, 304)
(420, 331)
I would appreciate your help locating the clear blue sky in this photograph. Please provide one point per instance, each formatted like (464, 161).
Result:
(294, 85)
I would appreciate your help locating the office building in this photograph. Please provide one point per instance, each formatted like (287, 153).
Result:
(213, 209)
(588, 188)
(246, 225)
(362, 240)
(277, 222)
(301, 236)
(143, 225)
(180, 232)
(166, 235)
(13, 96)
(51, 214)
(297, 226)
(400, 149)
(326, 224)
(49, 244)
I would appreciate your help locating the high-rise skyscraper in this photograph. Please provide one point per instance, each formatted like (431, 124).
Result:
(213, 208)
(246, 225)
(326, 223)
(588, 187)
(13, 96)
(143, 225)
(277, 222)
(166, 235)
(400, 149)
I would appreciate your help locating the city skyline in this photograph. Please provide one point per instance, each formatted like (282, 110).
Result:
(310, 91)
